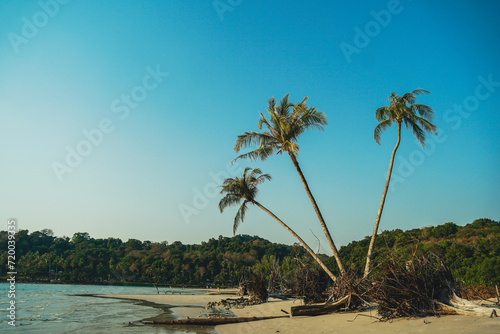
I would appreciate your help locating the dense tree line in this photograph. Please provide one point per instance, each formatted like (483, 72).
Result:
(472, 251)
(41, 256)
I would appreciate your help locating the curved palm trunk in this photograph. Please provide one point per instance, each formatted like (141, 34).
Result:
(381, 207)
(320, 216)
(302, 242)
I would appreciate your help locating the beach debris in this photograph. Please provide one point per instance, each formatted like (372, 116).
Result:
(242, 288)
(483, 293)
(230, 303)
(257, 290)
(366, 315)
(348, 293)
(354, 286)
(310, 284)
(422, 286)
(276, 282)
(462, 306)
(318, 309)
(211, 321)
(498, 295)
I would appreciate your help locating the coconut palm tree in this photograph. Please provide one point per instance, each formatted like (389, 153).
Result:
(287, 121)
(401, 110)
(244, 189)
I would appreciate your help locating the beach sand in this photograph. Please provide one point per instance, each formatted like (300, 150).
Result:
(332, 323)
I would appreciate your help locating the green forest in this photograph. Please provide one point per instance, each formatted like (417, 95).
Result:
(471, 251)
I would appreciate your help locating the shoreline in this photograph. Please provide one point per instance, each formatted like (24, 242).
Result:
(176, 307)
(353, 323)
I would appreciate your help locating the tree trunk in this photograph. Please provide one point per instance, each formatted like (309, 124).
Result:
(318, 309)
(320, 216)
(381, 207)
(466, 307)
(302, 242)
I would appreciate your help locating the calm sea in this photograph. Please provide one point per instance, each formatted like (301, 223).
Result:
(58, 308)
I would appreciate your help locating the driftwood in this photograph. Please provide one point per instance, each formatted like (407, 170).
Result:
(211, 321)
(351, 284)
(498, 295)
(283, 296)
(318, 309)
(461, 306)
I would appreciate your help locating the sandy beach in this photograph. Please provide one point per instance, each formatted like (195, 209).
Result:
(359, 322)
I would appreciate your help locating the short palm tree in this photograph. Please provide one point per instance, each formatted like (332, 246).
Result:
(287, 121)
(401, 110)
(244, 189)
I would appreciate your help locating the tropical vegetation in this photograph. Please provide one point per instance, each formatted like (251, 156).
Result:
(472, 251)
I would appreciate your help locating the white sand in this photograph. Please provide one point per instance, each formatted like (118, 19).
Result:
(332, 323)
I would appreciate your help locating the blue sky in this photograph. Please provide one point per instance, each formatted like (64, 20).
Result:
(162, 89)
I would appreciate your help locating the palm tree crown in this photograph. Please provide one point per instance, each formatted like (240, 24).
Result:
(403, 109)
(241, 188)
(287, 121)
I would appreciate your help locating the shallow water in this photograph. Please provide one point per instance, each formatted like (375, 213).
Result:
(61, 308)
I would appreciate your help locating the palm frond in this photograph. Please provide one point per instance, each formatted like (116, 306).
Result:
(252, 138)
(228, 200)
(271, 105)
(283, 109)
(424, 111)
(382, 113)
(312, 118)
(420, 91)
(428, 126)
(240, 216)
(261, 153)
(381, 127)
(416, 129)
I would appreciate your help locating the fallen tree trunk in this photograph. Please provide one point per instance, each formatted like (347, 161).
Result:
(465, 307)
(211, 321)
(283, 296)
(318, 309)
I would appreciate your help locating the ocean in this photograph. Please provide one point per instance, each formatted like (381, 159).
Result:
(66, 308)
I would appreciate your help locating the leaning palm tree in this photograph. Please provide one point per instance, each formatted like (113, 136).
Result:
(287, 121)
(244, 189)
(401, 110)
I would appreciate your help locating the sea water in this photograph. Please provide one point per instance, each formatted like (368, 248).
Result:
(65, 308)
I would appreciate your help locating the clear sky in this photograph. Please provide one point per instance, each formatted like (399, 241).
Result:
(117, 116)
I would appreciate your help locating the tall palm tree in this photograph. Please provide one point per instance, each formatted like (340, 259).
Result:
(401, 110)
(287, 121)
(245, 189)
